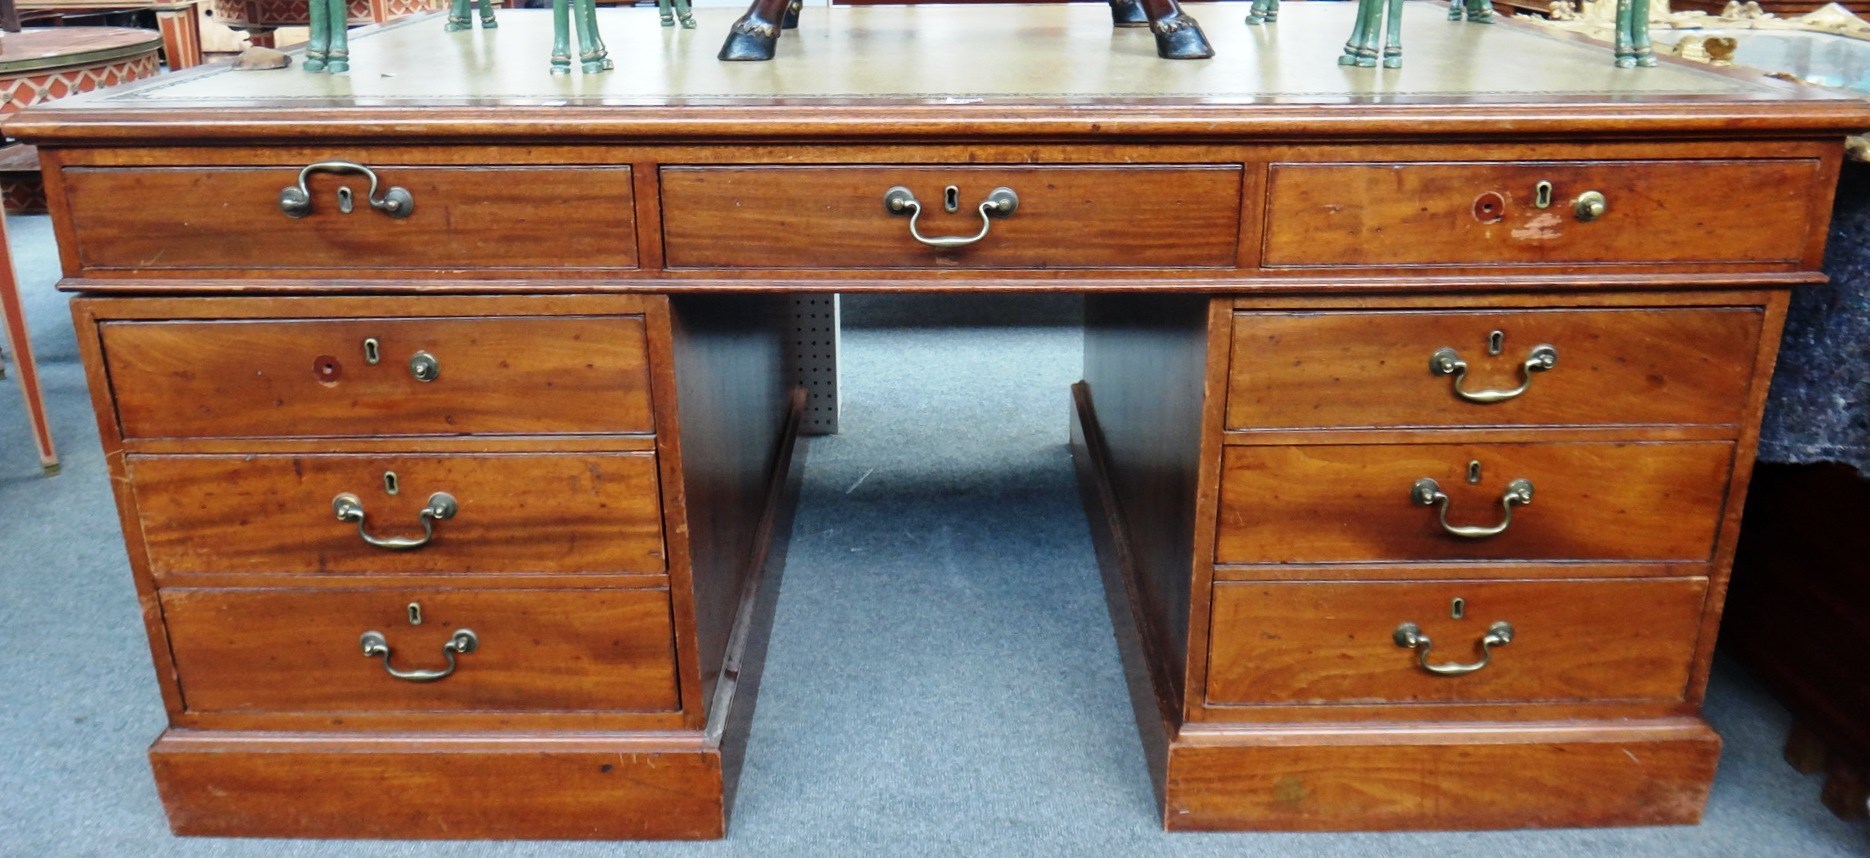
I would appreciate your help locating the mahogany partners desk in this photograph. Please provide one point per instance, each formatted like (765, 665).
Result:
(1417, 417)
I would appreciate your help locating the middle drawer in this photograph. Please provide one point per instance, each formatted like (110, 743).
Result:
(1331, 503)
(1077, 216)
(473, 513)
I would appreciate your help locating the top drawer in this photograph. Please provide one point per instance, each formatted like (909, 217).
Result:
(1149, 216)
(232, 219)
(434, 376)
(1480, 213)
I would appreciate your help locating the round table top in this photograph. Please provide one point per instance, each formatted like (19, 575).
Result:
(40, 48)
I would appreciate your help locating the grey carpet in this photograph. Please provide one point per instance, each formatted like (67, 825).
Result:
(941, 680)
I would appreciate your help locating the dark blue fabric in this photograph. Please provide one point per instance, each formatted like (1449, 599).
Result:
(1819, 410)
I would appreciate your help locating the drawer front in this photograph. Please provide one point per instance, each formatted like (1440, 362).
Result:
(1358, 503)
(1325, 643)
(305, 378)
(462, 218)
(1483, 213)
(835, 217)
(515, 513)
(1378, 369)
(301, 650)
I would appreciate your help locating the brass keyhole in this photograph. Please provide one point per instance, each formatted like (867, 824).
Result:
(415, 613)
(951, 198)
(346, 201)
(1542, 195)
(1473, 472)
(1457, 608)
(373, 351)
(1496, 342)
(391, 485)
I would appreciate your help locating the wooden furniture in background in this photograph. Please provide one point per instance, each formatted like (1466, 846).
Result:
(1385, 381)
(259, 18)
(179, 21)
(1801, 611)
(14, 315)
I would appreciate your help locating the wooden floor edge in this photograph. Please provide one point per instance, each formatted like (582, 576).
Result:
(736, 695)
(1155, 713)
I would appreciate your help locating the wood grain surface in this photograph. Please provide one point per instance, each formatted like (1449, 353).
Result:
(1615, 367)
(293, 650)
(310, 378)
(1318, 643)
(1428, 214)
(1591, 501)
(519, 513)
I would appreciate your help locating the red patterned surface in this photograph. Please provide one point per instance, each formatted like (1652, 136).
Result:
(269, 14)
(22, 193)
(22, 90)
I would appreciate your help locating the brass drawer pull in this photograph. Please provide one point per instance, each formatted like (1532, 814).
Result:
(1590, 206)
(1410, 636)
(297, 201)
(348, 507)
(1447, 361)
(1427, 492)
(1001, 203)
(463, 641)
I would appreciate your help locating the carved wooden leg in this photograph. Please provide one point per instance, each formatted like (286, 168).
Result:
(318, 46)
(1263, 12)
(756, 35)
(1178, 36)
(1128, 13)
(1361, 49)
(15, 316)
(338, 60)
(1392, 46)
(594, 56)
(561, 36)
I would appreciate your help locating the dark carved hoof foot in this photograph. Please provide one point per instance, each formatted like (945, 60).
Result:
(1128, 13)
(1178, 37)
(791, 21)
(750, 41)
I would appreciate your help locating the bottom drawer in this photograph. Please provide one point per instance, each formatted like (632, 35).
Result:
(1337, 643)
(290, 650)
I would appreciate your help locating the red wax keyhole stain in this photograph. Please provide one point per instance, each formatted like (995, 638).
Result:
(327, 369)
(1490, 207)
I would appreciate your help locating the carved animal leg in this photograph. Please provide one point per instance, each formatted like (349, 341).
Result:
(1639, 34)
(1361, 49)
(487, 21)
(338, 60)
(791, 21)
(1178, 36)
(1455, 10)
(595, 56)
(666, 8)
(1480, 11)
(1392, 45)
(561, 36)
(1626, 47)
(756, 35)
(318, 46)
(458, 16)
(1128, 13)
(1263, 12)
(686, 13)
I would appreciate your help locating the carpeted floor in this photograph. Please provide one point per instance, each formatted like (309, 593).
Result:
(942, 677)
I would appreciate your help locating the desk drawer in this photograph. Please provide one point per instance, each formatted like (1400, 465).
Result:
(1487, 213)
(314, 378)
(1326, 643)
(1648, 366)
(514, 513)
(300, 650)
(1067, 217)
(459, 219)
(1359, 503)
